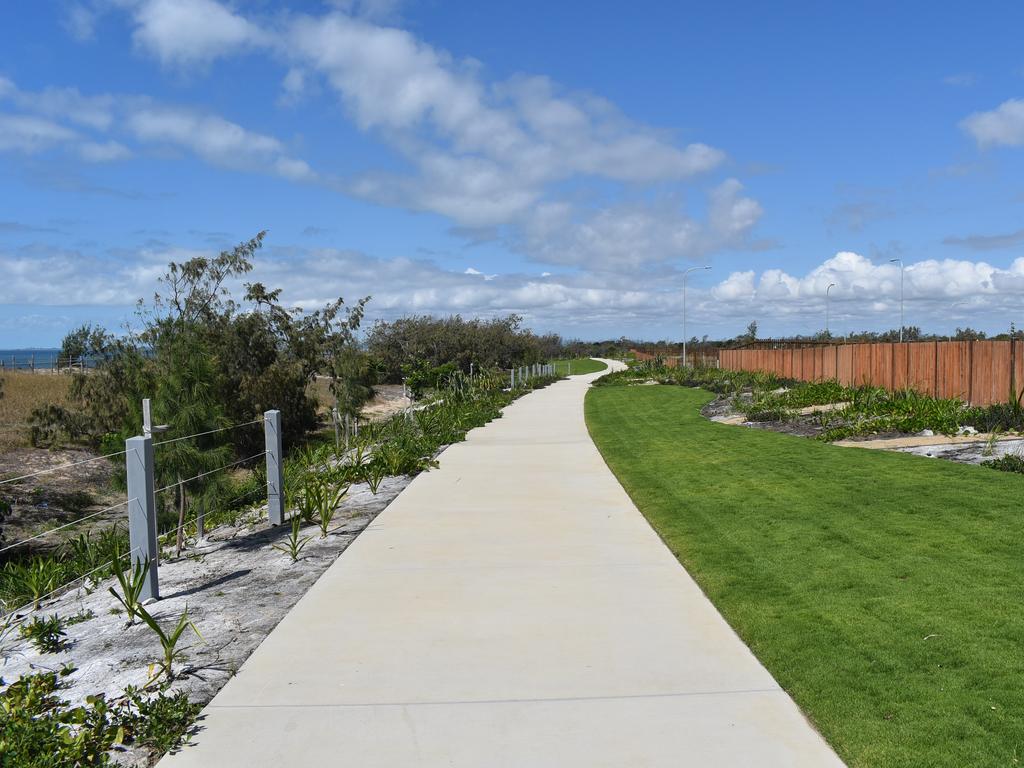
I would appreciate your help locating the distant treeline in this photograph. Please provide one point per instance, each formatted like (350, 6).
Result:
(707, 346)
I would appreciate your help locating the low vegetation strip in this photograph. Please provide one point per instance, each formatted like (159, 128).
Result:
(881, 590)
(864, 410)
(578, 366)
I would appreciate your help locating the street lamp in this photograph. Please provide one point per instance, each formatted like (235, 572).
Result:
(830, 287)
(685, 273)
(900, 262)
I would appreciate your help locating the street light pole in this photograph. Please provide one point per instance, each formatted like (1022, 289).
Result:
(685, 273)
(830, 287)
(900, 262)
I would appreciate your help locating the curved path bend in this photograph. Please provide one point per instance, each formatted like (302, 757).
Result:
(510, 609)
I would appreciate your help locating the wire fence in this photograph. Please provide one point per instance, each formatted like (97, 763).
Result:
(201, 475)
(51, 531)
(34, 603)
(140, 474)
(208, 432)
(61, 468)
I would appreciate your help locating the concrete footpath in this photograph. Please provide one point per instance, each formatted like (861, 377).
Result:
(510, 609)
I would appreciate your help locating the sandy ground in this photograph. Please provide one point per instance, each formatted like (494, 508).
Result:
(55, 498)
(388, 399)
(236, 586)
(971, 449)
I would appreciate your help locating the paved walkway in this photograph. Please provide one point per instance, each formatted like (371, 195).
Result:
(511, 609)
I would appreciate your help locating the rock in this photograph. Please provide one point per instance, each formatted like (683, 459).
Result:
(967, 431)
(926, 433)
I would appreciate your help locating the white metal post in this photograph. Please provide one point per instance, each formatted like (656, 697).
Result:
(139, 463)
(275, 467)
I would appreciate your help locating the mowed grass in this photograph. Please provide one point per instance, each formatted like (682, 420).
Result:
(22, 392)
(578, 366)
(883, 591)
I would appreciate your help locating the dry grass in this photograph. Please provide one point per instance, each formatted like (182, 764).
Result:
(22, 392)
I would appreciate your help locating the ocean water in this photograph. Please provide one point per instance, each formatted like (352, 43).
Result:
(28, 358)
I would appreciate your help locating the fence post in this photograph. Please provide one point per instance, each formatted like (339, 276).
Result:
(275, 467)
(512, 378)
(142, 510)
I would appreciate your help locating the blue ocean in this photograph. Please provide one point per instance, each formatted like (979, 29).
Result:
(26, 359)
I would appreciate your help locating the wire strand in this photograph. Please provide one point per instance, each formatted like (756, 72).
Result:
(61, 467)
(32, 603)
(212, 471)
(210, 432)
(66, 525)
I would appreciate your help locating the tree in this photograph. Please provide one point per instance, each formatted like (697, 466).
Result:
(428, 342)
(185, 400)
(86, 341)
(968, 334)
(259, 354)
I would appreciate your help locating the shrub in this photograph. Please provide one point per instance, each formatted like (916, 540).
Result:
(46, 635)
(1011, 462)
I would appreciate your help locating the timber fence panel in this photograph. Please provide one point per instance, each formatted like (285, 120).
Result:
(901, 366)
(979, 372)
(953, 373)
(921, 368)
(844, 365)
(881, 365)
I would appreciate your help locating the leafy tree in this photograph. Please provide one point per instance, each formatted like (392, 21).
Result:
(258, 354)
(185, 400)
(501, 342)
(968, 334)
(85, 342)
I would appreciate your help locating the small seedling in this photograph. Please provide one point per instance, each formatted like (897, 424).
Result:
(990, 443)
(40, 578)
(374, 473)
(295, 544)
(46, 635)
(329, 500)
(131, 578)
(81, 616)
(7, 627)
(168, 641)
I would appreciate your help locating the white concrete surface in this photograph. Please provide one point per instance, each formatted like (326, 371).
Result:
(512, 608)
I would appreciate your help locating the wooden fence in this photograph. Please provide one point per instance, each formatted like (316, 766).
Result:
(978, 372)
(672, 359)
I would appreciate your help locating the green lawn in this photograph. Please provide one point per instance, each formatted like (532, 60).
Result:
(578, 366)
(883, 591)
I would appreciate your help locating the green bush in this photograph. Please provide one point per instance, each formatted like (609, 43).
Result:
(1011, 462)
(40, 730)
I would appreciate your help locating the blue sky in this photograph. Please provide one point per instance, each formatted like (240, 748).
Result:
(563, 161)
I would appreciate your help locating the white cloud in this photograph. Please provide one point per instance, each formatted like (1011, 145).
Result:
(960, 80)
(630, 236)
(1003, 125)
(938, 292)
(868, 293)
(95, 112)
(97, 152)
(80, 22)
(485, 154)
(293, 87)
(183, 32)
(216, 140)
(29, 134)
